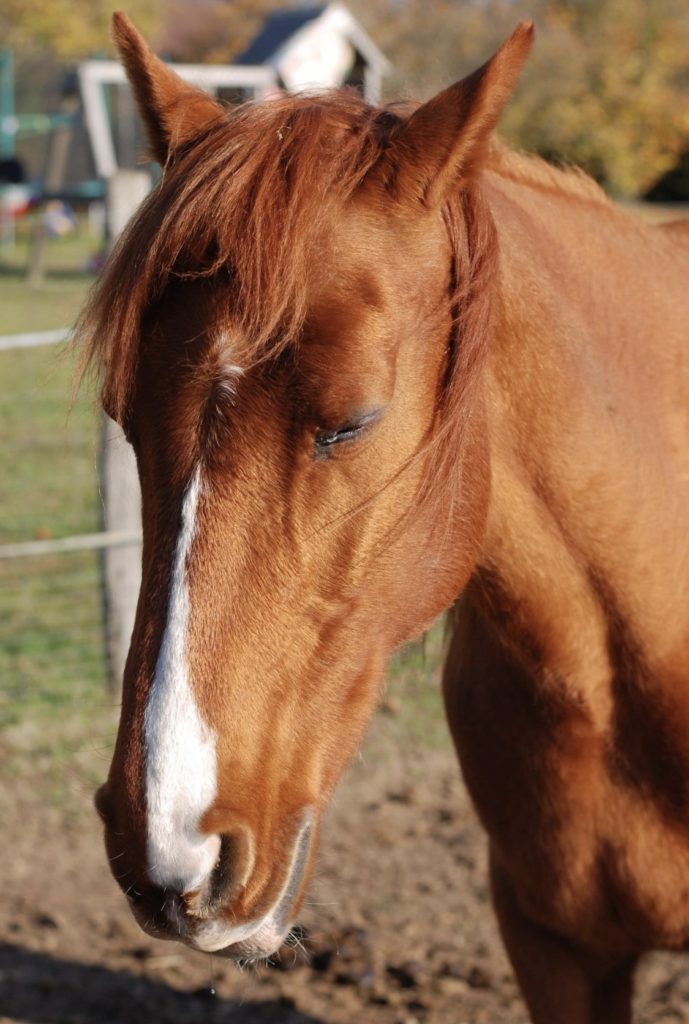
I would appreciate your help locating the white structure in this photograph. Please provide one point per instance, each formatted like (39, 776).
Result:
(316, 48)
(96, 75)
(306, 48)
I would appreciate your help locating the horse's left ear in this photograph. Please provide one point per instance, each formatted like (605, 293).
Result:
(172, 110)
(445, 139)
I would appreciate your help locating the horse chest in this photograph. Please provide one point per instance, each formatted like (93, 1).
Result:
(594, 824)
(643, 873)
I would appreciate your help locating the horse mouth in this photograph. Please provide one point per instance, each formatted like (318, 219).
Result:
(246, 942)
(260, 939)
(243, 943)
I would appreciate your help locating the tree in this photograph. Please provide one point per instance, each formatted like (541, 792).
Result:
(608, 90)
(70, 30)
(606, 86)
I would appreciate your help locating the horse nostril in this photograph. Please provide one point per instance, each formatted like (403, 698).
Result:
(232, 869)
(159, 911)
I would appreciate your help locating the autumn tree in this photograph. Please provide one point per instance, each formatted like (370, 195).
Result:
(606, 86)
(70, 30)
(608, 89)
(215, 31)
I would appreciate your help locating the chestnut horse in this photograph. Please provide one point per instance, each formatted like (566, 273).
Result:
(370, 360)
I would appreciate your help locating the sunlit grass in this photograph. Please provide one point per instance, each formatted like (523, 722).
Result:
(412, 709)
(55, 302)
(51, 635)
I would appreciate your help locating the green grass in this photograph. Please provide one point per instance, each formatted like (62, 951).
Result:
(47, 453)
(413, 711)
(56, 301)
(52, 305)
(51, 656)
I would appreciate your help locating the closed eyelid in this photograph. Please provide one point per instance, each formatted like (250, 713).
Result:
(348, 430)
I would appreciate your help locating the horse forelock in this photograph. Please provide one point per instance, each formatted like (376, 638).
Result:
(249, 200)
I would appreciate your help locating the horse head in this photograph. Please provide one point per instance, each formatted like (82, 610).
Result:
(290, 332)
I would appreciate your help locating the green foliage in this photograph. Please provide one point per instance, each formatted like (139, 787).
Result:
(608, 90)
(70, 29)
(606, 87)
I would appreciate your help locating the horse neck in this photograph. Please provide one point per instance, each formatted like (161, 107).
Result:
(586, 398)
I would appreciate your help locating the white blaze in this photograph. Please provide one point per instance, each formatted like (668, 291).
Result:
(180, 746)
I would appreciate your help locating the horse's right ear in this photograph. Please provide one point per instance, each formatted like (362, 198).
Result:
(173, 111)
(444, 141)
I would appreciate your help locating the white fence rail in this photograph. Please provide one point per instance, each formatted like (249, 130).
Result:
(85, 542)
(34, 339)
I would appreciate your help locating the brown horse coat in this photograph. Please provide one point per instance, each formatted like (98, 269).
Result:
(368, 361)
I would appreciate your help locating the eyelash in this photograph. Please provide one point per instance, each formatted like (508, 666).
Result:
(326, 439)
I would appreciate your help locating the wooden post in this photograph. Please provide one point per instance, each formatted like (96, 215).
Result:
(125, 191)
(119, 480)
(121, 503)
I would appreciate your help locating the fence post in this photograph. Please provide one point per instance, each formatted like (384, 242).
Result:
(58, 152)
(119, 480)
(121, 566)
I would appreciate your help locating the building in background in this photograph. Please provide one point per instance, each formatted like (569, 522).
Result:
(319, 47)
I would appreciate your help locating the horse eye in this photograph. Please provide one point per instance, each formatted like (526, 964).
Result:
(325, 439)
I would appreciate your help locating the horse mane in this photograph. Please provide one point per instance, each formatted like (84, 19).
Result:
(526, 169)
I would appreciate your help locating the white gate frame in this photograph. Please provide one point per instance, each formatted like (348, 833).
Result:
(94, 75)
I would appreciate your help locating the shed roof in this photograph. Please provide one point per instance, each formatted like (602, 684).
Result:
(277, 29)
(281, 26)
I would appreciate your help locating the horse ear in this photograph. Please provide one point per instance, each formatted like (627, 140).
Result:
(446, 138)
(172, 110)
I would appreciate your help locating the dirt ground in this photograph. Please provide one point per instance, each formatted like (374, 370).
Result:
(398, 927)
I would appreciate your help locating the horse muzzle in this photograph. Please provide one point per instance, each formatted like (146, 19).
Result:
(209, 918)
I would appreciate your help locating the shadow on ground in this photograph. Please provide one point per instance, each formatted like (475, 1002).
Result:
(39, 989)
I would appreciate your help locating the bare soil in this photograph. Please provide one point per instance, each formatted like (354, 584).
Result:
(398, 927)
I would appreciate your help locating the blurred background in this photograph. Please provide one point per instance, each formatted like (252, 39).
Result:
(399, 928)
